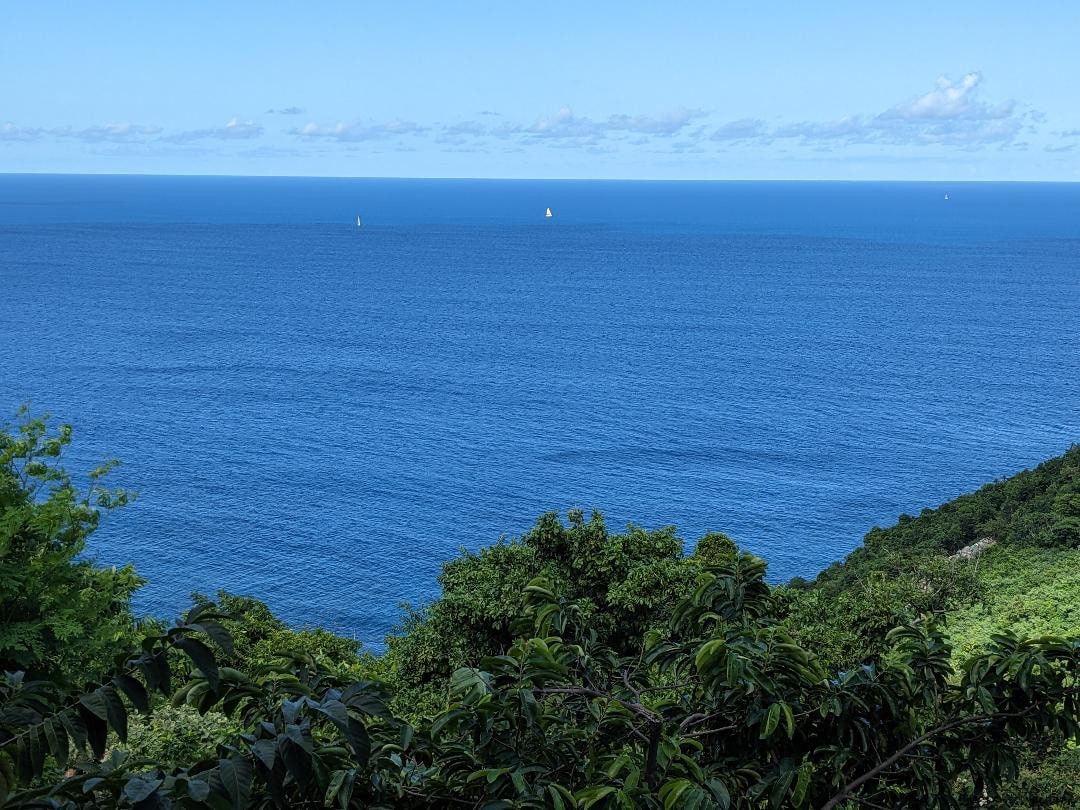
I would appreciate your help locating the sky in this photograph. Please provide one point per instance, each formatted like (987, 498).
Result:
(684, 90)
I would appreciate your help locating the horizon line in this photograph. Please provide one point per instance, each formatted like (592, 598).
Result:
(533, 179)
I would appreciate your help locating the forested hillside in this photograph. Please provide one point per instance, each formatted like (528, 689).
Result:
(574, 667)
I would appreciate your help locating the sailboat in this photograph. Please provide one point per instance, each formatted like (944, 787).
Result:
(548, 214)
(946, 196)
(359, 222)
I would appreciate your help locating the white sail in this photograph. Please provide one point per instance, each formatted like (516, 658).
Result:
(359, 224)
(548, 214)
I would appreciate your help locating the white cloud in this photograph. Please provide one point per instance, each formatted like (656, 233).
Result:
(667, 124)
(10, 132)
(234, 130)
(359, 131)
(951, 114)
(286, 111)
(565, 127)
(949, 101)
(125, 132)
(741, 130)
(564, 124)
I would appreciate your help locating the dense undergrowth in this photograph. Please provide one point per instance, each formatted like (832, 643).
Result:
(573, 667)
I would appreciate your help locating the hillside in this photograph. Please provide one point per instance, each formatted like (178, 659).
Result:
(1026, 581)
(573, 667)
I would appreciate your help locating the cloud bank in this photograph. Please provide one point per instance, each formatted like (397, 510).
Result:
(952, 113)
(235, 129)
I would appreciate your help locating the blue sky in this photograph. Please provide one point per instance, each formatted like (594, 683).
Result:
(684, 90)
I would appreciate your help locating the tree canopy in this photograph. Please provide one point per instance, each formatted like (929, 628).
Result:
(574, 668)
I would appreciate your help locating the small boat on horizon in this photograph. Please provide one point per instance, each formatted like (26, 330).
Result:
(946, 196)
(548, 214)
(359, 222)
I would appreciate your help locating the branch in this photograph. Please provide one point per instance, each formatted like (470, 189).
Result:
(581, 691)
(858, 782)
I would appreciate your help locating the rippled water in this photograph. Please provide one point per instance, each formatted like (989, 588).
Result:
(321, 416)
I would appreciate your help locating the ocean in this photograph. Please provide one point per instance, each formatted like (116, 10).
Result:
(320, 416)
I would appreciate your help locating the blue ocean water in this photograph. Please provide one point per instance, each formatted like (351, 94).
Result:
(321, 416)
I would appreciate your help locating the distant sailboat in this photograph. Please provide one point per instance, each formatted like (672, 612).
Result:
(548, 214)
(946, 196)
(359, 222)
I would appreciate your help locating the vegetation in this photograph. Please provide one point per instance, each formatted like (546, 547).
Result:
(625, 585)
(573, 668)
(61, 617)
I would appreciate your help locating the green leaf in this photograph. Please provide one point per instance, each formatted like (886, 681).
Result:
(789, 719)
(671, 791)
(357, 735)
(116, 712)
(139, 788)
(709, 655)
(134, 690)
(202, 657)
(235, 776)
(97, 730)
(94, 702)
(720, 793)
(772, 719)
(266, 751)
(57, 738)
(198, 790)
(592, 795)
(798, 795)
(332, 789)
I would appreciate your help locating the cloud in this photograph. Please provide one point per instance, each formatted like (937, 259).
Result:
(234, 130)
(741, 130)
(950, 101)
(286, 111)
(951, 114)
(103, 133)
(1066, 147)
(1071, 133)
(564, 125)
(665, 125)
(565, 128)
(845, 128)
(125, 132)
(359, 131)
(10, 132)
(474, 128)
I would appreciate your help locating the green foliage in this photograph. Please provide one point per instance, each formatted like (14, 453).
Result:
(718, 707)
(1047, 779)
(715, 550)
(1033, 591)
(174, 736)
(573, 668)
(626, 584)
(848, 627)
(44, 719)
(721, 708)
(60, 614)
(1039, 507)
(259, 639)
(1026, 582)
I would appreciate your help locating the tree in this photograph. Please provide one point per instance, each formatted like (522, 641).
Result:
(626, 583)
(60, 614)
(721, 708)
(718, 708)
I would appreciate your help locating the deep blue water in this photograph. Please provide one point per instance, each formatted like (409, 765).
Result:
(320, 416)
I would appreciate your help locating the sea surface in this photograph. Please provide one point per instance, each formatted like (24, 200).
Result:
(321, 416)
